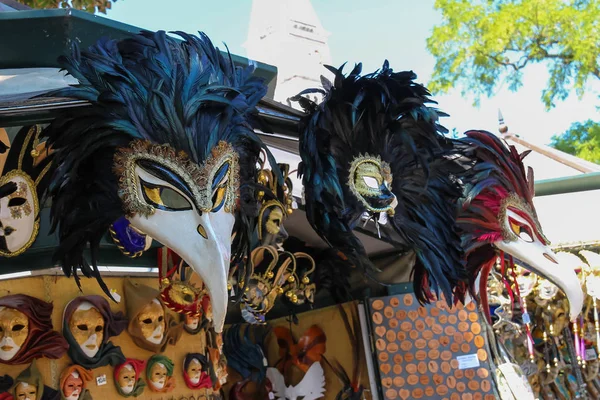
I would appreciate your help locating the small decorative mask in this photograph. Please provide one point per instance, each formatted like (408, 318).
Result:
(128, 379)
(159, 374)
(526, 280)
(19, 206)
(178, 292)
(311, 387)
(73, 383)
(370, 180)
(546, 290)
(88, 323)
(26, 330)
(150, 326)
(266, 282)
(299, 290)
(276, 204)
(196, 368)
(29, 385)
(592, 282)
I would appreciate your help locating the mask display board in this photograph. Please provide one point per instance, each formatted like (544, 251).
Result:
(429, 352)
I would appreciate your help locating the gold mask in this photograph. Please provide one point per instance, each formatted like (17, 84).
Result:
(87, 328)
(126, 378)
(370, 180)
(158, 375)
(14, 330)
(193, 371)
(151, 320)
(25, 391)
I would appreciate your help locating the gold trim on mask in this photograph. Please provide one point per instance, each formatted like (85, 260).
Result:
(513, 200)
(197, 177)
(36, 207)
(359, 192)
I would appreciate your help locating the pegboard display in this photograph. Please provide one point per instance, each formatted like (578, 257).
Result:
(430, 352)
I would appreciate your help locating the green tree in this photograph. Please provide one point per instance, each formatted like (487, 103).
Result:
(92, 6)
(481, 43)
(581, 140)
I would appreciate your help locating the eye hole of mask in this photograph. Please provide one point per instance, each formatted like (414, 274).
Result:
(164, 198)
(523, 231)
(147, 321)
(98, 328)
(220, 187)
(18, 327)
(82, 327)
(371, 182)
(17, 201)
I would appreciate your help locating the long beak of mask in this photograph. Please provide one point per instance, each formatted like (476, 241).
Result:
(203, 241)
(540, 259)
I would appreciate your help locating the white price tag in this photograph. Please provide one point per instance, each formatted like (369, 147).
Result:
(590, 354)
(101, 380)
(468, 361)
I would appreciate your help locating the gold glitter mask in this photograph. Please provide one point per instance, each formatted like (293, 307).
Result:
(25, 391)
(151, 321)
(87, 327)
(370, 180)
(157, 177)
(14, 330)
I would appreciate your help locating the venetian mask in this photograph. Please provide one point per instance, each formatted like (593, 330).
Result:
(19, 206)
(87, 327)
(276, 205)
(194, 370)
(526, 280)
(270, 272)
(192, 322)
(151, 320)
(158, 375)
(14, 330)
(546, 290)
(523, 238)
(126, 378)
(592, 282)
(370, 180)
(73, 386)
(25, 391)
(311, 387)
(161, 189)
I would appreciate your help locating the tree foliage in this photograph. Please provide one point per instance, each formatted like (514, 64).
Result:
(581, 140)
(91, 6)
(482, 43)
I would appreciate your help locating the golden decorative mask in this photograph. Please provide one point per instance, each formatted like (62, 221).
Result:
(370, 180)
(87, 327)
(158, 375)
(25, 391)
(299, 289)
(276, 205)
(14, 329)
(73, 386)
(194, 370)
(126, 378)
(151, 320)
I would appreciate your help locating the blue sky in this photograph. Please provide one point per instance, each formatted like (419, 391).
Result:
(370, 32)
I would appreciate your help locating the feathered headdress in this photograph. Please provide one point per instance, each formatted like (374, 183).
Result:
(168, 143)
(497, 213)
(374, 146)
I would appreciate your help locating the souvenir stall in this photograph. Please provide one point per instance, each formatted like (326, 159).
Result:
(160, 238)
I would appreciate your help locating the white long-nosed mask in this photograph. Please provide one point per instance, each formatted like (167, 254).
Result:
(524, 240)
(188, 208)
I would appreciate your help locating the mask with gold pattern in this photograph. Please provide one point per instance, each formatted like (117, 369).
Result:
(127, 378)
(29, 385)
(20, 182)
(159, 374)
(180, 145)
(88, 323)
(150, 326)
(195, 371)
(276, 204)
(26, 330)
(270, 271)
(300, 290)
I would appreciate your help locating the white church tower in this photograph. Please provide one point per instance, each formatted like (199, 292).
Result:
(289, 35)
